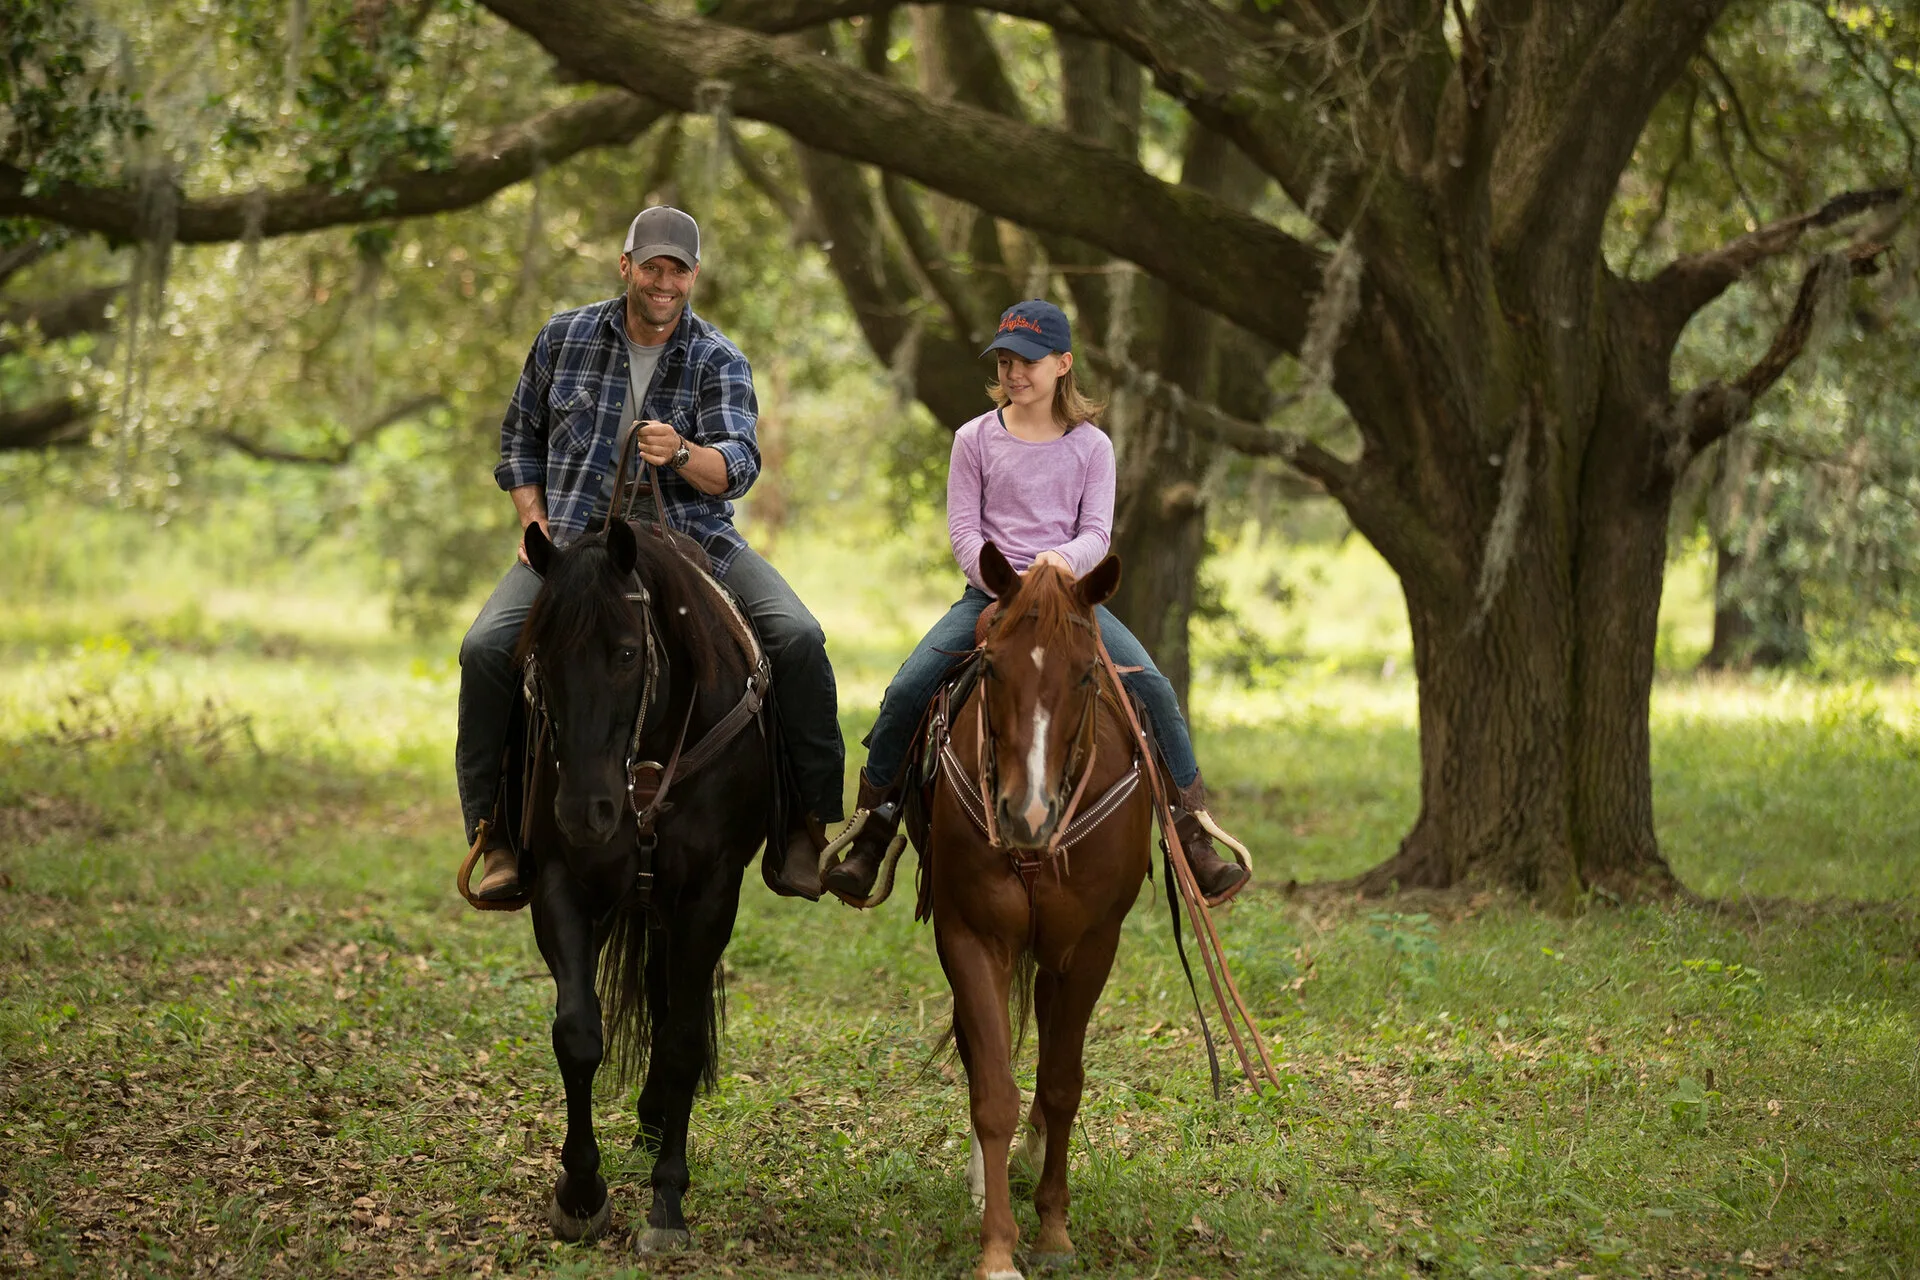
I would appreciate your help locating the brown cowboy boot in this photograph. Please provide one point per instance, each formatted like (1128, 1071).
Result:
(868, 839)
(1218, 878)
(800, 864)
(500, 874)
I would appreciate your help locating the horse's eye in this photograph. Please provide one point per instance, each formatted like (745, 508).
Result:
(628, 655)
(1092, 677)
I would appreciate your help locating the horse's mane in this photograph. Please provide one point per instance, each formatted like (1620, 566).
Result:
(584, 596)
(1046, 594)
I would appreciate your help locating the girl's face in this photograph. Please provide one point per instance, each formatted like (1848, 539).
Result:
(1031, 382)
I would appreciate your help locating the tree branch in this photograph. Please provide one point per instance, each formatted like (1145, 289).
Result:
(21, 256)
(760, 175)
(1232, 262)
(778, 17)
(1689, 283)
(1588, 78)
(339, 456)
(509, 156)
(886, 304)
(1210, 420)
(59, 422)
(62, 317)
(1680, 158)
(1712, 411)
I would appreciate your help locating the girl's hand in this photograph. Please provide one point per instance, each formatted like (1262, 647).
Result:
(1055, 559)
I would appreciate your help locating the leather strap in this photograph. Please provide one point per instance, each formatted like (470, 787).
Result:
(1226, 992)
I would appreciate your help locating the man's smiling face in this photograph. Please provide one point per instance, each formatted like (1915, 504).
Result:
(657, 289)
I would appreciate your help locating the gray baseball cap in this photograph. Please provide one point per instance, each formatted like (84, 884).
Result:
(664, 230)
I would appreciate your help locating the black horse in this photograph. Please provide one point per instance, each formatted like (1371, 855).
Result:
(635, 658)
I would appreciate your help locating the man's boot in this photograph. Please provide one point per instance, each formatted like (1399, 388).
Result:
(800, 865)
(499, 872)
(1218, 878)
(870, 840)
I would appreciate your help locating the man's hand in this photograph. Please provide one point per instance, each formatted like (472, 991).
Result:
(542, 522)
(530, 504)
(1055, 559)
(658, 442)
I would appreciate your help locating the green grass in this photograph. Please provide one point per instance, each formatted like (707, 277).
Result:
(246, 1027)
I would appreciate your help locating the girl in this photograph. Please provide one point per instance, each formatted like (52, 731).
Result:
(1036, 476)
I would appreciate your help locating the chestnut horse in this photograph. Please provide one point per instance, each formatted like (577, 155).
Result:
(1044, 741)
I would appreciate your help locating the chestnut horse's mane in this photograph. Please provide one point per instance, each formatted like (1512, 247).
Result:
(1046, 596)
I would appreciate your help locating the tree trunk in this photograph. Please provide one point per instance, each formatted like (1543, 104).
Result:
(1759, 614)
(1160, 535)
(1535, 684)
(1496, 734)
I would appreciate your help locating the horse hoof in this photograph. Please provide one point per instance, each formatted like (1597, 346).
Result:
(1050, 1261)
(570, 1228)
(1004, 1275)
(663, 1240)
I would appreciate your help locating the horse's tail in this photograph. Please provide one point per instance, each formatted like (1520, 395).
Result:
(948, 1047)
(1024, 970)
(630, 1005)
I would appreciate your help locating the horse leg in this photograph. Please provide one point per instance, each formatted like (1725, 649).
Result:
(580, 1207)
(693, 944)
(1033, 1151)
(981, 980)
(1061, 1076)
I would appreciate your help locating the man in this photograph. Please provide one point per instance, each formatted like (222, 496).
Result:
(644, 356)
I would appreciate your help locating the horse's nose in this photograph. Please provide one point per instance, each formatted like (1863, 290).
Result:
(1027, 827)
(603, 815)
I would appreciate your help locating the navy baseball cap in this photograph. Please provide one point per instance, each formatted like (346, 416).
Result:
(1031, 330)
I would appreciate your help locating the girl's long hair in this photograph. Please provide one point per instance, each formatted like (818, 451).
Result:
(1071, 405)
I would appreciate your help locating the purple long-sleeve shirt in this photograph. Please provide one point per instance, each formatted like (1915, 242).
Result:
(1027, 497)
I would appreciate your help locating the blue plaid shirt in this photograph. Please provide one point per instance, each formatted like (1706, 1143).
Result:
(567, 412)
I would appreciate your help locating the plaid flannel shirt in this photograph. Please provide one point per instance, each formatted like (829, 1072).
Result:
(566, 415)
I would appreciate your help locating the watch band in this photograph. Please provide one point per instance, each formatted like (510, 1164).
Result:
(681, 456)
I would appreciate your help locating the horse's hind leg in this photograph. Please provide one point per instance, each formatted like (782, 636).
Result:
(579, 1207)
(981, 980)
(686, 957)
(1061, 1076)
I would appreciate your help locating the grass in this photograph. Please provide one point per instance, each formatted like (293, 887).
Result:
(246, 1028)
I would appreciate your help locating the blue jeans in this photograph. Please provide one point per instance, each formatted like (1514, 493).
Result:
(941, 649)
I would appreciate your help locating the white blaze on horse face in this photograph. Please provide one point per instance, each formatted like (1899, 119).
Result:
(1037, 771)
(1039, 657)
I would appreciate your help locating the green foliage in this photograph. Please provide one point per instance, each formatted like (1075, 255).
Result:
(63, 110)
(1813, 505)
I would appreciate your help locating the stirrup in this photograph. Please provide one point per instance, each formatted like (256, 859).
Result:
(463, 878)
(1214, 829)
(883, 881)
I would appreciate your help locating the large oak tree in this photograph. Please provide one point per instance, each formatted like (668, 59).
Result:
(1520, 435)
(1515, 437)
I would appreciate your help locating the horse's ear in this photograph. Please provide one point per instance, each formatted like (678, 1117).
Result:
(997, 573)
(540, 549)
(621, 547)
(1100, 583)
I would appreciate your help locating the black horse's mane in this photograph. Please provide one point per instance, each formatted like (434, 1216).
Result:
(585, 596)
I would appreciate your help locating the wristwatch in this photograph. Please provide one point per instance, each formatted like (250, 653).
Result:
(680, 455)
